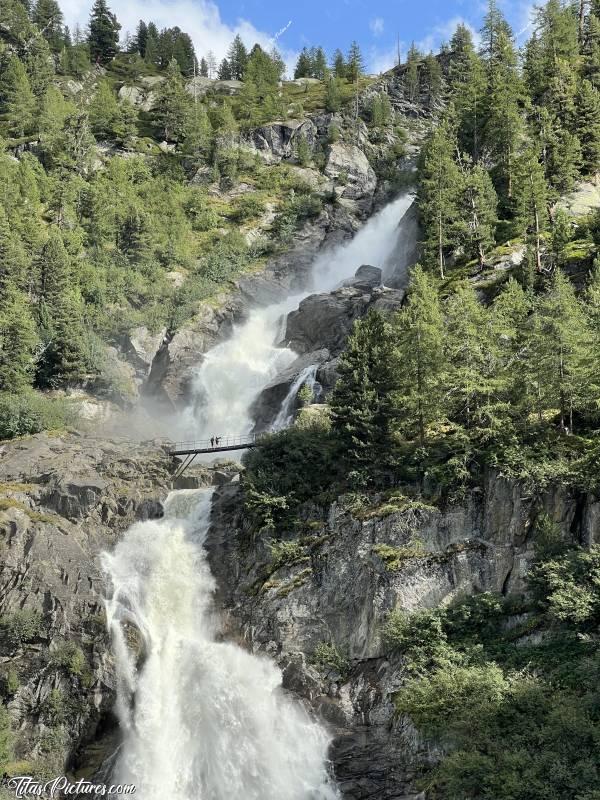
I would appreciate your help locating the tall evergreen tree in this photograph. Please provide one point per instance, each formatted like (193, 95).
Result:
(103, 36)
(439, 193)
(172, 104)
(531, 201)
(421, 354)
(559, 365)
(478, 212)
(237, 56)
(588, 125)
(17, 102)
(354, 63)
(49, 19)
(338, 65)
(411, 76)
(362, 402)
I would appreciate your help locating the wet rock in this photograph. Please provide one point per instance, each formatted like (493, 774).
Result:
(366, 277)
(348, 163)
(149, 509)
(268, 404)
(326, 320)
(278, 140)
(140, 347)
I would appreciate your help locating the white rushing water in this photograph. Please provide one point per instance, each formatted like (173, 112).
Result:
(232, 374)
(203, 719)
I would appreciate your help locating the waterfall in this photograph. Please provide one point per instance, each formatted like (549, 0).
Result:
(202, 719)
(233, 374)
(286, 412)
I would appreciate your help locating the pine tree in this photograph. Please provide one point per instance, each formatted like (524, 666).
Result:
(531, 201)
(564, 161)
(303, 67)
(225, 73)
(104, 111)
(354, 63)
(338, 65)
(333, 99)
(588, 125)
(49, 19)
(439, 193)
(509, 324)
(103, 36)
(63, 359)
(502, 115)
(479, 212)
(237, 55)
(17, 341)
(39, 63)
(469, 349)
(362, 406)
(421, 350)
(141, 37)
(172, 104)
(17, 103)
(469, 92)
(151, 56)
(184, 54)
(558, 364)
(432, 79)
(197, 133)
(411, 76)
(203, 68)
(320, 70)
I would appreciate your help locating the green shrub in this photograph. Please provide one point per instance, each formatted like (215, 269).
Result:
(20, 626)
(70, 657)
(30, 412)
(327, 657)
(286, 553)
(248, 206)
(6, 737)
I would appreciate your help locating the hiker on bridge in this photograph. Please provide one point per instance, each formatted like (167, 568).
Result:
(212, 441)
(217, 440)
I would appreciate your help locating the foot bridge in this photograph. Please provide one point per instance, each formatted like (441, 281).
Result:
(188, 451)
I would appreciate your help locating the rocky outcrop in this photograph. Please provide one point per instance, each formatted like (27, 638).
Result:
(358, 563)
(267, 406)
(278, 140)
(326, 320)
(62, 501)
(348, 164)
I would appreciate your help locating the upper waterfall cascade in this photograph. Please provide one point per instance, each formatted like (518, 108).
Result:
(203, 719)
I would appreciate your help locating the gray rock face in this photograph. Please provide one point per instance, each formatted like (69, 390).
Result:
(63, 500)
(266, 407)
(278, 140)
(348, 162)
(326, 320)
(140, 347)
(342, 589)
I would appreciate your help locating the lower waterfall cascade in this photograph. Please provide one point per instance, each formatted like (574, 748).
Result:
(201, 718)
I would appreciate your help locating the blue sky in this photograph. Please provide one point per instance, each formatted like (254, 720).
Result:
(375, 24)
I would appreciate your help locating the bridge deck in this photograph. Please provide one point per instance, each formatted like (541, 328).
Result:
(226, 443)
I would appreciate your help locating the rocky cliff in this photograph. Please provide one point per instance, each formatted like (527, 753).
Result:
(317, 601)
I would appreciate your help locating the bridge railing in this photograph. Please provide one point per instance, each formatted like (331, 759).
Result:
(208, 444)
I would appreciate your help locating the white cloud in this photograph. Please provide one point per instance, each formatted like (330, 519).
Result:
(200, 18)
(380, 60)
(376, 25)
(443, 32)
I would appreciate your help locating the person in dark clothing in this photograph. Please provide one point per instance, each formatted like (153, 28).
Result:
(212, 441)
(217, 440)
